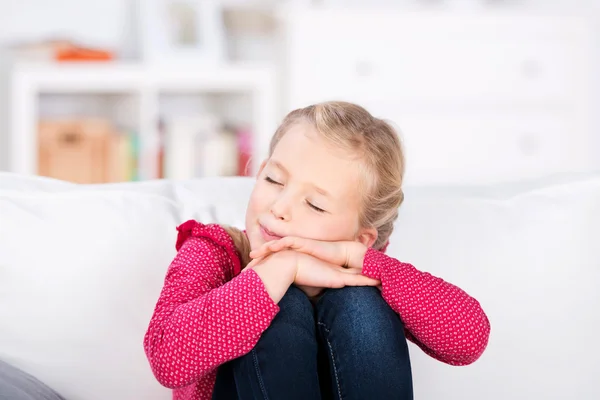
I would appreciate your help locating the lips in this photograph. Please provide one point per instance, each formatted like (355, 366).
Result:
(268, 235)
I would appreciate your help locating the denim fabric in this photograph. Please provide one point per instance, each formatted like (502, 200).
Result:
(349, 345)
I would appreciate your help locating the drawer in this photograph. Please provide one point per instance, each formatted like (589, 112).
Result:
(374, 57)
(458, 149)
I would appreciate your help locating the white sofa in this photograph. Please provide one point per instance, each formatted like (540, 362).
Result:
(81, 268)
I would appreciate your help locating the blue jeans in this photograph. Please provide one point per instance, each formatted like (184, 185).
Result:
(349, 345)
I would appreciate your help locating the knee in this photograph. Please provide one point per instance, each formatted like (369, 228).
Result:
(295, 304)
(356, 303)
(295, 312)
(360, 315)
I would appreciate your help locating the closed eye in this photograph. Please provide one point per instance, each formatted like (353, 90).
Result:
(271, 181)
(315, 207)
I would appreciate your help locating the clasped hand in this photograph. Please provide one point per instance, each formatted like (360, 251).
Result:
(319, 264)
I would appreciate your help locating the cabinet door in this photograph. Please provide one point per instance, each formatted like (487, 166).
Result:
(425, 58)
(466, 149)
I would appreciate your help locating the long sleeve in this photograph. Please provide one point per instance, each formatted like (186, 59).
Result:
(443, 320)
(207, 313)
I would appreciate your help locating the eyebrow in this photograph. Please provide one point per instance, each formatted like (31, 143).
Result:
(280, 166)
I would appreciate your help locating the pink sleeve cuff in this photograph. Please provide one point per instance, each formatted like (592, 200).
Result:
(372, 264)
(256, 297)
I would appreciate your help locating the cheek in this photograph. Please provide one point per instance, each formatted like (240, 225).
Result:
(252, 213)
(257, 203)
(346, 228)
(330, 230)
(258, 199)
(253, 205)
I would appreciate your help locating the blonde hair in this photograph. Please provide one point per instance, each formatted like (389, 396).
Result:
(376, 144)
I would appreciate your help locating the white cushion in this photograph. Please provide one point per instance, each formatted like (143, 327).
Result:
(531, 255)
(82, 266)
(80, 271)
(17, 182)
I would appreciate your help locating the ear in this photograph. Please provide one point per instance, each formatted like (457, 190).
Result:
(367, 236)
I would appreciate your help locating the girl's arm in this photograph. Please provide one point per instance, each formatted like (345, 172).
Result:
(208, 312)
(439, 317)
(443, 320)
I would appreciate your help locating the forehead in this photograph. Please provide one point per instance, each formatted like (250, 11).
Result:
(312, 160)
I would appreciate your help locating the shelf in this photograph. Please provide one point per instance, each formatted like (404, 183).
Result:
(144, 88)
(111, 77)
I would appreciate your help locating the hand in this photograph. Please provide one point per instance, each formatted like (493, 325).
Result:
(314, 275)
(277, 272)
(342, 253)
(310, 292)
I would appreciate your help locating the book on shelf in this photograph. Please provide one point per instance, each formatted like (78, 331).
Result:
(94, 150)
(125, 157)
(203, 146)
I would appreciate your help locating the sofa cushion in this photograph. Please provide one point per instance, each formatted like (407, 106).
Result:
(80, 272)
(82, 266)
(530, 253)
(16, 182)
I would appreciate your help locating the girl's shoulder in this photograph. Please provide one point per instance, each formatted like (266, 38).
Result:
(193, 228)
(216, 237)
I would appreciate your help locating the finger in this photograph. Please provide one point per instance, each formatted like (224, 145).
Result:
(264, 249)
(258, 252)
(323, 250)
(254, 262)
(348, 270)
(310, 291)
(327, 251)
(360, 280)
(281, 244)
(274, 246)
(291, 242)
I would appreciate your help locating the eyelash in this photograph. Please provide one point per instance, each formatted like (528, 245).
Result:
(268, 179)
(317, 209)
(273, 182)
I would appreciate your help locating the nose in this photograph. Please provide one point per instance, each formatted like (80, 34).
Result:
(281, 209)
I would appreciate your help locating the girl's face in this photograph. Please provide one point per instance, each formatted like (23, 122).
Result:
(306, 189)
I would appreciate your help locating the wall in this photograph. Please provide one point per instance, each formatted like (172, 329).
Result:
(108, 23)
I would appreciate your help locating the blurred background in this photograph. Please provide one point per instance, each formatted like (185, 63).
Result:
(481, 91)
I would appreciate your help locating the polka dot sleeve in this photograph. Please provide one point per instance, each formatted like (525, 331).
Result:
(207, 312)
(443, 320)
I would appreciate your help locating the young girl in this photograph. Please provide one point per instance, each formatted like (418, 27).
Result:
(304, 304)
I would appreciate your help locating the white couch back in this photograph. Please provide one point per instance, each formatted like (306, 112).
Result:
(81, 268)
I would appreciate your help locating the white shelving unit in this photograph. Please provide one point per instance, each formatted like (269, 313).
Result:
(145, 85)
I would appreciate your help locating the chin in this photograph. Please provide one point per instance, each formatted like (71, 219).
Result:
(255, 239)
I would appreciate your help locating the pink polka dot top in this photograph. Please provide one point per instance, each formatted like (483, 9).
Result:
(209, 313)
